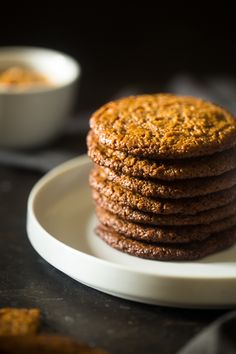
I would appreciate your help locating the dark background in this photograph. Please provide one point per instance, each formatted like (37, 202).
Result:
(126, 44)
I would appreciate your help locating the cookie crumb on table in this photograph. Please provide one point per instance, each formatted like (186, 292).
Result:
(14, 321)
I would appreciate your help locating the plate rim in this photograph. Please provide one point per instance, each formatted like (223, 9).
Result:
(76, 163)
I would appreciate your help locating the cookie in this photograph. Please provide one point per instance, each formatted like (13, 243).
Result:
(137, 216)
(44, 344)
(162, 234)
(135, 166)
(164, 126)
(14, 321)
(168, 252)
(160, 206)
(174, 189)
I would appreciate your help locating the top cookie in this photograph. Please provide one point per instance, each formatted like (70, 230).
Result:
(164, 126)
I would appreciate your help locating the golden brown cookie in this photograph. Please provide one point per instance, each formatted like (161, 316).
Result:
(168, 252)
(14, 321)
(174, 189)
(162, 234)
(136, 166)
(164, 126)
(159, 205)
(138, 216)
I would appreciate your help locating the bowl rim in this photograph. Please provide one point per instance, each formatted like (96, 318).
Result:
(43, 89)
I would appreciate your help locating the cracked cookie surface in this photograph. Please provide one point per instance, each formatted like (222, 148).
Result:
(164, 126)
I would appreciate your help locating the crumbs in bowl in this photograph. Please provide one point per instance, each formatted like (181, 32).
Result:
(20, 77)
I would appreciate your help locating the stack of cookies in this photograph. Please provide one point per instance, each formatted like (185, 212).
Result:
(164, 180)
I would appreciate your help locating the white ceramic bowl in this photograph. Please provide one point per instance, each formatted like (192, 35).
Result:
(32, 117)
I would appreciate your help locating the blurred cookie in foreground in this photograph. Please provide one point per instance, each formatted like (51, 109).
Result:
(14, 321)
(44, 344)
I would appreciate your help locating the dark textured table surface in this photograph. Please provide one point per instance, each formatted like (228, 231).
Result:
(27, 280)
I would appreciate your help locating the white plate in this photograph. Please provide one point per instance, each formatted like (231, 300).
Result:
(60, 225)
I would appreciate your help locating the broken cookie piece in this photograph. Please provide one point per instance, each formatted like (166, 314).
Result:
(44, 344)
(14, 321)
